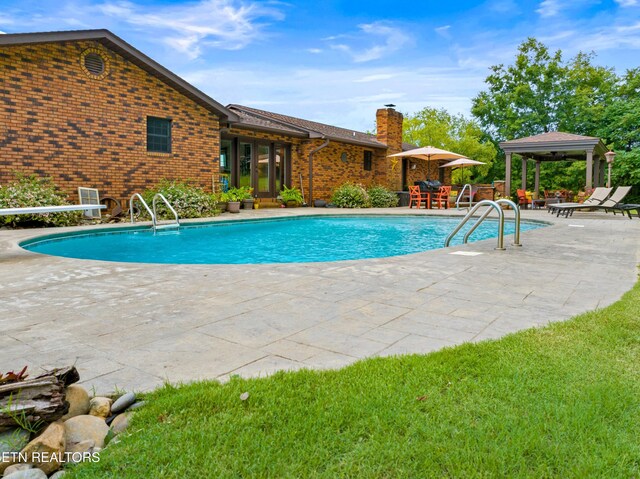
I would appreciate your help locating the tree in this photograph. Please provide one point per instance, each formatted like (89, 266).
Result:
(541, 92)
(438, 128)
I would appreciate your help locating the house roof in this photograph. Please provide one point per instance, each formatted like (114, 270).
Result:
(118, 45)
(253, 116)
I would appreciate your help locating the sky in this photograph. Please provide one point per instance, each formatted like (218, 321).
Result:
(337, 61)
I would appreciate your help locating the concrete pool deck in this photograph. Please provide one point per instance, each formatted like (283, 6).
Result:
(134, 326)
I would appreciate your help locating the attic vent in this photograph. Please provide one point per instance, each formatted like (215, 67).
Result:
(94, 63)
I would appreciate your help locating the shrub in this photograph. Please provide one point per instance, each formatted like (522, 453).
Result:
(291, 194)
(189, 201)
(350, 195)
(380, 197)
(32, 190)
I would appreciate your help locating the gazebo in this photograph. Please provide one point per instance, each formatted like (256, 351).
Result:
(556, 146)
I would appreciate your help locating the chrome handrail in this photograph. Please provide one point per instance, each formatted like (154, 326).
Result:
(146, 206)
(516, 211)
(469, 215)
(166, 202)
(460, 194)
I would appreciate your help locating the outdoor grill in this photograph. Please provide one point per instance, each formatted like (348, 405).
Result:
(428, 186)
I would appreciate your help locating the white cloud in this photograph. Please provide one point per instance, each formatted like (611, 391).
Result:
(627, 3)
(443, 31)
(393, 39)
(314, 50)
(375, 77)
(548, 8)
(335, 95)
(224, 24)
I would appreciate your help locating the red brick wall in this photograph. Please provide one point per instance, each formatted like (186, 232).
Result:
(57, 121)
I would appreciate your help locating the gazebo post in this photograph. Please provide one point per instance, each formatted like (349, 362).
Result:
(602, 169)
(537, 181)
(524, 173)
(589, 181)
(507, 175)
(596, 171)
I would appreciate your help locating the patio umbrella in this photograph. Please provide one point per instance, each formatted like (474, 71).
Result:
(429, 153)
(462, 162)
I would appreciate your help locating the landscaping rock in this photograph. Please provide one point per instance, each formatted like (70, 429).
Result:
(16, 468)
(78, 399)
(81, 451)
(28, 474)
(84, 446)
(121, 422)
(13, 440)
(81, 428)
(137, 405)
(58, 475)
(123, 402)
(100, 407)
(50, 446)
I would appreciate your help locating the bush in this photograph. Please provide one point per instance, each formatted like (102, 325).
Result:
(28, 191)
(350, 195)
(189, 201)
(291, 194)
(380, 197)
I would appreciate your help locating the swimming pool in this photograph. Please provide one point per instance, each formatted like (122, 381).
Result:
(290, 240)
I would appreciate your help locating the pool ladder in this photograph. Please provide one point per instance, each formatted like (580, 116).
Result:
(461, 195)
(153, 213)
(491, 205)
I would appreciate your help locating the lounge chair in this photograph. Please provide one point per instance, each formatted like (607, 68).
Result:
(614, 202)
(599, 195)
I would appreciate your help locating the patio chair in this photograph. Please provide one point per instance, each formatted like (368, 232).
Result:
(522, 198)
(614, 202)
(599, 195)
(416, 197)
(442, 197)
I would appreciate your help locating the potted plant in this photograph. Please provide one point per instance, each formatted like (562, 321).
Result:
(221, 201)
(247, 199)
(291, 197)
(234, 197)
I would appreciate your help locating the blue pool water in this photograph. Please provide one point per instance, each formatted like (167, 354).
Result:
(291, 240)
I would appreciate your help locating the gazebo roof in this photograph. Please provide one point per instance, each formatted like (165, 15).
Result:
(546, 146)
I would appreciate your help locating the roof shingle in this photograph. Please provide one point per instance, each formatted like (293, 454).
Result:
(315, 129)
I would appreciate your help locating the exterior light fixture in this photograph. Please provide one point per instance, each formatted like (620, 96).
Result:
(610, 156)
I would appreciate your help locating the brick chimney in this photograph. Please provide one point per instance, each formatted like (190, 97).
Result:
(389, 128)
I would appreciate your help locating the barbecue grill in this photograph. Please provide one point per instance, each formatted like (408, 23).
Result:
(428, 186)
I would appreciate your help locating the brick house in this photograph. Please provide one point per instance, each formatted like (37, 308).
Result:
(88, 109)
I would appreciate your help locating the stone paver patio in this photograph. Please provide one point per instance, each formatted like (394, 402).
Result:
(136, 325)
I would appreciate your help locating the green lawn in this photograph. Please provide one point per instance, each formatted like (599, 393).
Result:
(563, 401)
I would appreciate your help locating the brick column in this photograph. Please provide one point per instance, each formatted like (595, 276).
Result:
(389, 132)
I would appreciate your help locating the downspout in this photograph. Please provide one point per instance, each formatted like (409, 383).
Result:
(311, 153)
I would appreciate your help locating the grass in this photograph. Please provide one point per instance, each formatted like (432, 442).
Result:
(562, 401)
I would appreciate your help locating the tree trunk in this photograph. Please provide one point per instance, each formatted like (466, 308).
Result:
(36, 401)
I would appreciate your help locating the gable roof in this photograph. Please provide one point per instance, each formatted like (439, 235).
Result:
(310, 129)
(118, 45)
